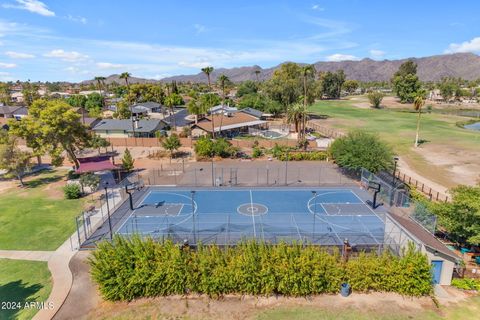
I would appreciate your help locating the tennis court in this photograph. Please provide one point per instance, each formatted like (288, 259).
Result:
(225, 216)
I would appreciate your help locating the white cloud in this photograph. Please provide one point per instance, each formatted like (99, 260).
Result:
(377, 54)
(66, 55)
(79, 19)
(108, 65)
(467, 46)
(19, 55)
(34, 6)
(199, 28)
(341, 57)
(5, 76)
(316, 7)
(194, 64)
(77, 70)
(4, 65)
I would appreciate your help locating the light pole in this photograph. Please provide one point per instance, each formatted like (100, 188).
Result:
(213, 176)
(395, 170)
(286, 168)
(108, 209)
(314, 193)
(134, 120)
(192, 193)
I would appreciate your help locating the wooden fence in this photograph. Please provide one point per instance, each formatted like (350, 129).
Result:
(188, 142)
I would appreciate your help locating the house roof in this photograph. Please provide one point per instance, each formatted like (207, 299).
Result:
(148, 105)
(179, 117)
(236, 120)
(223, 108)
(422, 235)
(13, 110)
(253, 112)
(93, 164)
(126, 125)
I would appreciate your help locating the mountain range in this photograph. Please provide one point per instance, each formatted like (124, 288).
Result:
(433, 68)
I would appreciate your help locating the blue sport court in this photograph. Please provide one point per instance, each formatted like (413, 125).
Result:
(226, 216)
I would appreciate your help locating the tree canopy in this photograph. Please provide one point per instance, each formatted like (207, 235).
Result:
(331, 84)
(406, 83)
(360, 149)
(52, 126)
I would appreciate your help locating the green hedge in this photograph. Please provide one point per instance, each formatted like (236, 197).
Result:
(466, 284)
(303, 156)
(129, 269)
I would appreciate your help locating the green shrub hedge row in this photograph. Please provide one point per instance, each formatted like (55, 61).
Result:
(306, 156)
(466, 284)
(132, 268)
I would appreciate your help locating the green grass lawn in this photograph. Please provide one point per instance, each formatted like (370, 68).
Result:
(468, 309)
(37, 217)
(23, 281)
(398, 128)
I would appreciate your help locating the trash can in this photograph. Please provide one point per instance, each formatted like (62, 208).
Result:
(345, 289)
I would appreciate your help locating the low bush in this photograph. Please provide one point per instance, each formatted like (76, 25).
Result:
(126, 269)
(466, 284)
(72, 191)
(257, 152)
(206, 148)
(305, 156)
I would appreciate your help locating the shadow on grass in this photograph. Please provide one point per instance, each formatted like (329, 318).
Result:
(35, 183)
(14, 295)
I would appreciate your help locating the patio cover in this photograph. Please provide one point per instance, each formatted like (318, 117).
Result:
(93, 164)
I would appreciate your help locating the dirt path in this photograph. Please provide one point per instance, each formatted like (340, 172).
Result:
(404, 168)
(26, 255)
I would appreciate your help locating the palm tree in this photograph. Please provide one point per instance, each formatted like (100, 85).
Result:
(194, 107)
(296, 113)
(224, 80)
(257, 73)
(306, 71)
(417, 105)
(125, 76)
(208, 71)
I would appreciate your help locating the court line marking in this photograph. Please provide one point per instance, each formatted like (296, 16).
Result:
(131, 214)
(253, 216)
(373, 211)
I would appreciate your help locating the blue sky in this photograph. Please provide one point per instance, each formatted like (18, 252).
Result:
(77, 40)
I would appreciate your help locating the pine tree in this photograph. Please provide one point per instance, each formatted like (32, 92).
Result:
(127, 161)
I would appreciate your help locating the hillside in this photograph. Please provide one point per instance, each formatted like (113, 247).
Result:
(433, 68)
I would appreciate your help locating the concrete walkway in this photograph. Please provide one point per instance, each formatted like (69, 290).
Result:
(26, 255)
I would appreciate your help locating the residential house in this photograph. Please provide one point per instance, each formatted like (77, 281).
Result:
(150, 107)
(254, 112)
(17, 112)
(114, 128)
(229, 125)
(222, 109)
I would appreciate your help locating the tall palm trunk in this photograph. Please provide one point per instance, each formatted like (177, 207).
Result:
(418, 127)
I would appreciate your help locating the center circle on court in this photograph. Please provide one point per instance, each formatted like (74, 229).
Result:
(252, 209)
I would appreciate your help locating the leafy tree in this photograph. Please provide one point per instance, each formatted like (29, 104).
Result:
(5, 97)
(52, 126)
(123, 111)
(247, 87)
(331, 84)
(13, 159)
(360, 149)
(224, 83)
(89, 180)
(418, 103)
(206, 148)
(97, 142)
(448, 87)
(30, 93)
(208, 71)
(375, 98)
(287, 85)
(260, 102)
(94, 104)
(195, 107)
(127, 160)
(350, 86)
(171, 101)
(406, 83)
(77, 100)
(461, 217)
(171, 143)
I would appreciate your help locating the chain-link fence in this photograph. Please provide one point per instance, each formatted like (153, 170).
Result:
(396, 194)
(248, 173)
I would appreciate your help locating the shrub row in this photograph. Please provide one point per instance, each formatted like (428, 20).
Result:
(466, 284)
(128, 269)
(306, 156)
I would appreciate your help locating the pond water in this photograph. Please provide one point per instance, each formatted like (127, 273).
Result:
(473, 126)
